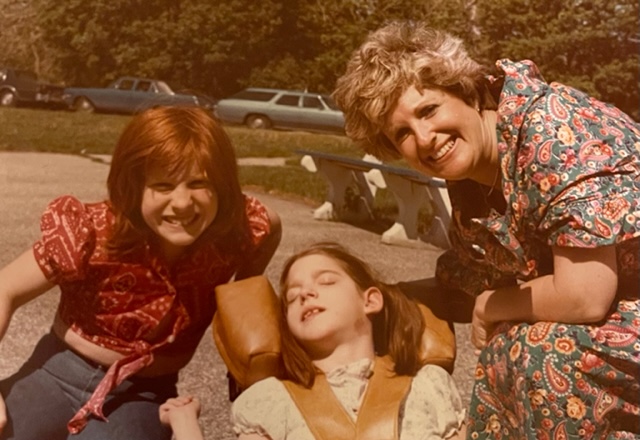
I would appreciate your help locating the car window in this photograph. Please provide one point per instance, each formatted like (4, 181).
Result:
(125, 84)
(254, 95)
(143, 86)
(312, 102)
(330, 102)
(291, 100)
(163, 87)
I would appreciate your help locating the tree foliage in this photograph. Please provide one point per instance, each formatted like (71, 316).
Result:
(196, 43)
(318, 36)
(589, 44)
(220, 47)
(21, 42)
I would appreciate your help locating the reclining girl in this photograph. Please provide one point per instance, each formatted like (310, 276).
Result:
(351, 346)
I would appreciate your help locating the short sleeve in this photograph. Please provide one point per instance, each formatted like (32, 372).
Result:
(259, 223)
(433, 409)
(266, 409)
(599, 211)
(68, 239)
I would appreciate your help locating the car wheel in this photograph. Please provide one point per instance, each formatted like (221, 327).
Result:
(7, 99)
(83, 104)
(258, 121)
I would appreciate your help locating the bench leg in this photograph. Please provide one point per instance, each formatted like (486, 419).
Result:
(338, 180)
(395, 234)
(410, 196)
(324, 212)
(438, 233)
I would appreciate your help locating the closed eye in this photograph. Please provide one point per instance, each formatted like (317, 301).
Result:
(161, 186)
(292, 295)
(401, 134)
(327, 279)
(199, 184)
(427, 111)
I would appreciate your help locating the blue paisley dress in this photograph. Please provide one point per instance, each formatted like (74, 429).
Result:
(570, 168)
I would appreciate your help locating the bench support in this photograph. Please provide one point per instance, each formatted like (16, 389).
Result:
(410, 189)
(410, 196)
(340, 204)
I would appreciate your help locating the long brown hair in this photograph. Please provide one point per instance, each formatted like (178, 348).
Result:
(397, 328)
(174, 138)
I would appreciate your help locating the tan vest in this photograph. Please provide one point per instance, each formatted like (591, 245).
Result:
(378, 415)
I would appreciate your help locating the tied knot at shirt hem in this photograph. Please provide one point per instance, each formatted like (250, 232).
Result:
(117, 373)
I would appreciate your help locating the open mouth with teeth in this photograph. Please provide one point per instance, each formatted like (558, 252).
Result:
(443, 150)
(311, 313)
(180, 221)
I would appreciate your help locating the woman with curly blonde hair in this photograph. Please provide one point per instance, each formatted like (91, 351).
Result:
(544, 182)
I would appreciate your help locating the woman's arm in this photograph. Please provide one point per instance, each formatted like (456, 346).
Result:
(581, 290)
(266, 250)
(20, 282)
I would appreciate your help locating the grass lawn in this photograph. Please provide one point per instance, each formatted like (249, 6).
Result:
(66, 132)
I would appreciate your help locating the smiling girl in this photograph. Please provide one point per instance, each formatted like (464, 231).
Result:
(137, 274)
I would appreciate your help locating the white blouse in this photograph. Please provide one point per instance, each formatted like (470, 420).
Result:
(432, 409)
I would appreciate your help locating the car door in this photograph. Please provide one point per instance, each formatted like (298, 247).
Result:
(317, 115)
(118, 97)
(142, 96)
(285, 111)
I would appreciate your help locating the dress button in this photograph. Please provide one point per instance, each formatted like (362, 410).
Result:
(478, 250)
(171, 339)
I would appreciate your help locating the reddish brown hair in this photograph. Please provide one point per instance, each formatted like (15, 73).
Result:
(174, 138)
(397, 328)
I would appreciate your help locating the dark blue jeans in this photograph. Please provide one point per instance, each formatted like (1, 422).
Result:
(55, 382)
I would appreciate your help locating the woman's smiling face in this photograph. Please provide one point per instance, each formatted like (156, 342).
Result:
(439, 134)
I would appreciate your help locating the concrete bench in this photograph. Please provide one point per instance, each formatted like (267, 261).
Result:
(409, 188)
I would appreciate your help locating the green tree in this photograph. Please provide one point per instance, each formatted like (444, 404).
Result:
(317, 37)
(196, 43)
(589, 44)
(21, 43)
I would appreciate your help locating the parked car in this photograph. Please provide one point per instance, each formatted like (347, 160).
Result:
(23, 88)
(126, 95)
(204, 100)
(266, 108)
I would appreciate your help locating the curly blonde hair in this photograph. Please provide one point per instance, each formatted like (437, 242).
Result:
(392, 59)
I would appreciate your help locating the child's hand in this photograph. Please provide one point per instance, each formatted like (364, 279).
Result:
(179, 408)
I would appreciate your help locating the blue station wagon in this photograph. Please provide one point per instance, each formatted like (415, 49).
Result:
(275, 108)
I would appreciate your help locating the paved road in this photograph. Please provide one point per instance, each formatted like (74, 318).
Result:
(29, 180)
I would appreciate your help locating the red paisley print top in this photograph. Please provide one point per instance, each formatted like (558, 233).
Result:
(570, 168)
(138, 305)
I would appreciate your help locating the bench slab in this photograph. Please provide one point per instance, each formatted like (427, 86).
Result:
(409, 188)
